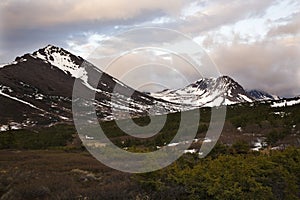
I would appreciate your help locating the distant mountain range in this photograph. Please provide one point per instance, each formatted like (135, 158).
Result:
(36, 89)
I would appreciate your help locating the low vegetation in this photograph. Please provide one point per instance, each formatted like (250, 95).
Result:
(225, 174)
(50, 163)
(228, 176)
(40, 138)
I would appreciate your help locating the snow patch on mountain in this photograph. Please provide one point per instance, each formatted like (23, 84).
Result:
(12, 63)
(285, 103)
(3, 65)
(3, 88)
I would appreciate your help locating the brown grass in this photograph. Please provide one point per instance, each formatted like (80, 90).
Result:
(55, 174)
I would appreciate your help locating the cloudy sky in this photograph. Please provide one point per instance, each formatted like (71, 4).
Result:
(257, 42)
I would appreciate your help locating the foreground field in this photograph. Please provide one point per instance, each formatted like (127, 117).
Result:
(55, 174)
(51, 162)
(225, 174)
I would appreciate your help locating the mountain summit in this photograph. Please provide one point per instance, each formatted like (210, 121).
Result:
(262, 95)
(60, 58)
(208, 92)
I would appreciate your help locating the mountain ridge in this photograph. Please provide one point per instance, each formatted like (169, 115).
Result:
(36, 89)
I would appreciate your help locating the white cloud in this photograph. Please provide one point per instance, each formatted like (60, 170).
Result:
(34, 13)
(270, 65)
(291, 27)
(220, 13)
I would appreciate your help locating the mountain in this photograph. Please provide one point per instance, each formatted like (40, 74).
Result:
(208, 92)
(36, 89)
(260, 95)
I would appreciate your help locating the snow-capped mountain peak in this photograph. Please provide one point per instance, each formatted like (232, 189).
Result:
(60, 58)
(221, 83)
(260, 95)
(207, 92)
